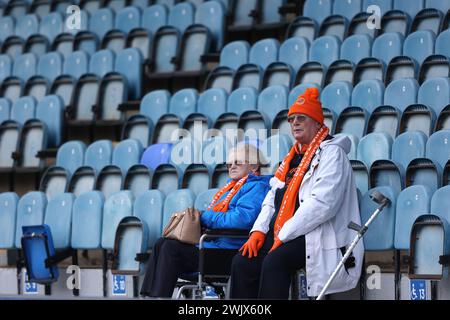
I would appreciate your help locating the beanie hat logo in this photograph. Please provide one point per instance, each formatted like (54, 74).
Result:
(301, 101)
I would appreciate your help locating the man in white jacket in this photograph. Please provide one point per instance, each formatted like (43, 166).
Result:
(304, 217)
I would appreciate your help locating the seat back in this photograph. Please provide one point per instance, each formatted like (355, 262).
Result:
(155, 104)
(181, 15)
(30, 212)
(127, 19)
(175, 202)
(50, 65)
(234, 54)
(264, 52)
(101, 22)
(154, 17)
(102, 62)
(50, 111)
(212, 14)
(374, 146)
(148, 207)
(58, 216)
(8, 213)
(325, 50)
(98, 154)
(129, 64)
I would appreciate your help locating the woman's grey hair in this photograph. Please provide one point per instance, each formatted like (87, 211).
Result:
(251, 153)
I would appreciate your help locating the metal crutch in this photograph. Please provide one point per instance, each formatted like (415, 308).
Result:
(383, 201)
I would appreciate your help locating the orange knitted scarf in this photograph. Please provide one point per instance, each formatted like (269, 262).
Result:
(222, 206)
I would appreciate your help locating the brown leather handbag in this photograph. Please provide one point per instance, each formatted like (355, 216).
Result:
(184, 226)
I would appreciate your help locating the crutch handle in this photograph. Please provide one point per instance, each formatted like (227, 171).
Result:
(380, 198)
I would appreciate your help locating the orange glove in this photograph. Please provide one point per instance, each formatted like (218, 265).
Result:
(276, 244)
(253, 244)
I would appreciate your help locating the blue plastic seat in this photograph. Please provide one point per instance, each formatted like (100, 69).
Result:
(50, 65)
(441, 45)
(317, 10)
(203, 200)
(195, 43)
(272, 100)
(336, 96)
(155, 104)
(154, 17)
(381, 233)
(356, 47)
(76, 64)
(87, 221)
(9, 139)
(212, 14)
(181, 16)
(126, 154)
(410, 7)
(128, 19)
(387, 46)
(30, 212)
(138, 127)
(98, 155)
(423, 171)
(212, 103)
(412, 202)
(25, 66)
(438, 147)
(384, 5)
(7, 25)
(101, 22)
(196, 177)
(23, 110)
(274, 149)
(409, 146)
(116, 207)
(419, 45)
(165, 47)
(148, 207)
(51, 25)
(242, 99)
(325, 50)
(82, 181)
(294, 51)
(5, 109)
(214, 151)
(175, 202)
(70, 155)
(6, 65)
(401, 93)
(8, 212)
(184, 152)
(440, 202)
(368, 94)
(347, 8)
(129, 63)
(102, 62)
(300, 89)
(374, 146)
(58, 216)
(264, 52)
(166, 178)
(235, 54)
(26, 26)
(435, 93)
(183, 103)
(50, 111)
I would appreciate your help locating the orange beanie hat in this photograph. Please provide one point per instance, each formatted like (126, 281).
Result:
(308, 103)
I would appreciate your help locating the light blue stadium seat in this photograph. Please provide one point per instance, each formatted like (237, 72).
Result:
(118, 206)
(347, 8)
(50, 111)
(184, 152)
(98, 155)
(419, 45)
(409, 146)
(51, 25)
(387, 46)
(235, 54)
(116, 5)
(294, 51)
(5, 109)
(30, 211)
(410, 7)
(50, 65)
(6, 65)
(7, 25)
(196, 177)
(384, 5)
(441, 45)
(325, 50)
(183, 103)
(242, 99)
(381, 233)
(129, 63)
(165, 44)
(356, 47)
(352, 121)
(412, 202)
(126, 154)
(9, 139)
(215, 151)
(438, 147)
(269, 12)
(76, 64)
(241, 13)
(336, 96)
(274, 149)
(54, 181)
(401, 93)
(175, 202)
(204, 199)
(25, 66)
(8, 211)
(264, 52)
(58, 216)
(88, 41)
(166, 178)
(102, 62)
(101, 22)
(181, 16)
(300, 89)
(148, 207)
(155, 104)
(272, 100)
(374, 146)
(423, 171)
(211, 14)
(109, 180)
(23, 110)
(435, 93)
(368, 94)
(212, 103)
(137, 179)
(26, 26)
(87, 220)
(154, 17)
(138, 127)
(318, 10)
(70, 155)
(128, 19)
